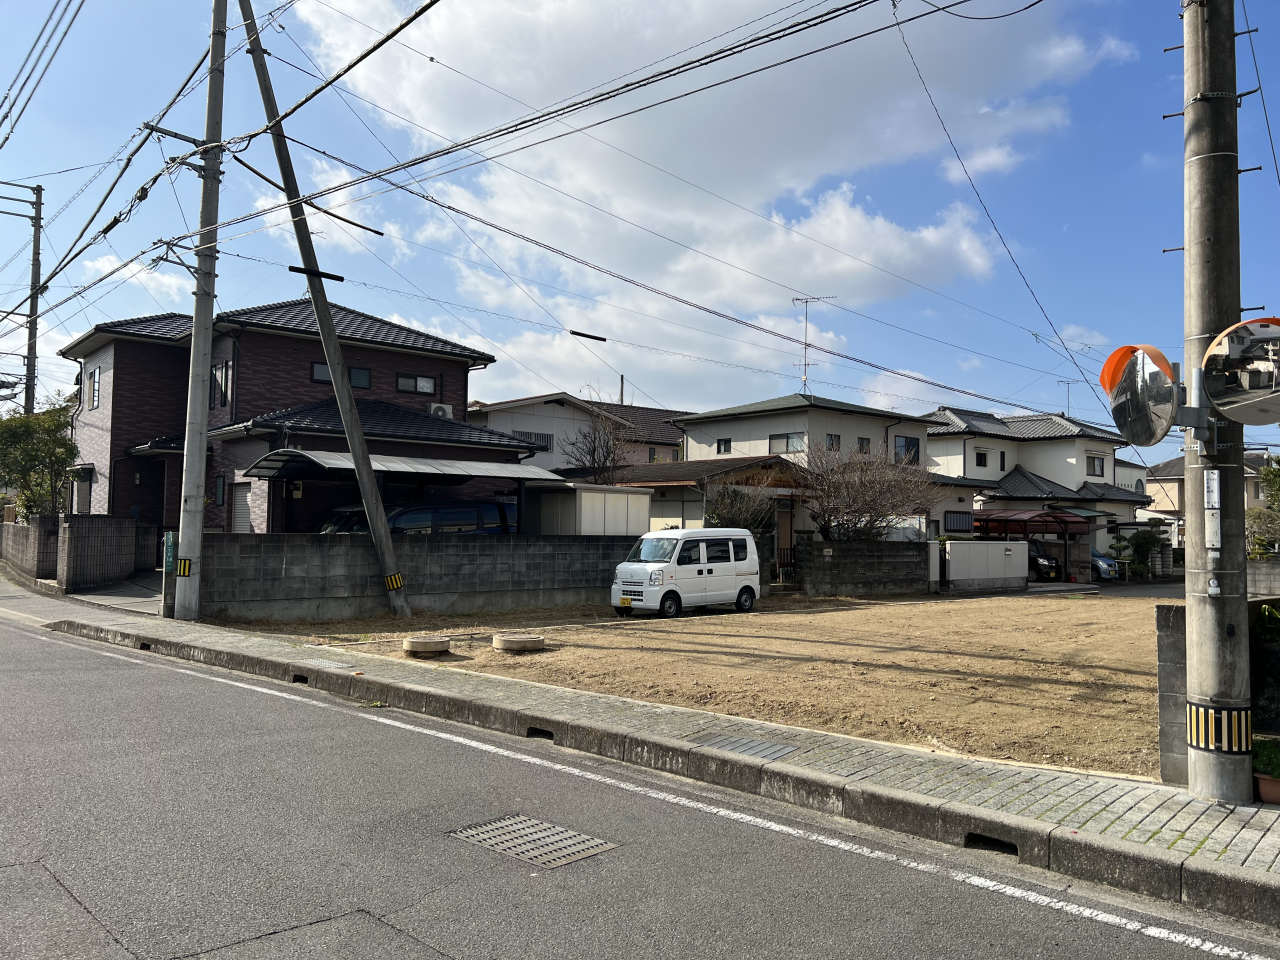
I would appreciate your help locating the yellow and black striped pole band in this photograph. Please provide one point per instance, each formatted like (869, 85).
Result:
(182, 568)
(1219, 729)
(394, 582)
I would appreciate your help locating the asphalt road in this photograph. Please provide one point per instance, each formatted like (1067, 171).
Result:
(150, 808)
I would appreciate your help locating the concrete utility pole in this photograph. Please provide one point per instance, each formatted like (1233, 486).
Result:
(186, 605)
(369, 493)
(33, 306)
(1219, 718)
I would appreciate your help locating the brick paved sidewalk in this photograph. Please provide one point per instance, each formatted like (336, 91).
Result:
(1132, 824)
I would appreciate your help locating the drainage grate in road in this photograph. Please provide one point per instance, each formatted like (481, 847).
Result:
(533, 841)
(320, 662)
(745, 745)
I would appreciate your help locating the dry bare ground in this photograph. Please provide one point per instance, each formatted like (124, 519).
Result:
(1063, 680)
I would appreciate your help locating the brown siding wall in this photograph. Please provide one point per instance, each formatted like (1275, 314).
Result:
(273, 372)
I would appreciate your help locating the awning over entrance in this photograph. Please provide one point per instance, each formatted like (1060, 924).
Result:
(322, 465)
(1003, 523)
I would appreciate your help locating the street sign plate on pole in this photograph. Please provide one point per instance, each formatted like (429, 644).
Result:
(1240, 372)
(1140, 387)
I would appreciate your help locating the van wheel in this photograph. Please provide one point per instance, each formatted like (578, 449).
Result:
(746, 600)
(670, 606)
(622, 611)
(1033, 575)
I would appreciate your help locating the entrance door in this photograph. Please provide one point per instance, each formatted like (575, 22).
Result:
(720, 581)
(241, 522)
(690, 573)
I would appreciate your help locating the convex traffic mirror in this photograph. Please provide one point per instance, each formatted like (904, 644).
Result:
(1240, 372)
(1143, 395)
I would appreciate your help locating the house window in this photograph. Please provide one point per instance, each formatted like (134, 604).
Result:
(1002, 461)
(95, 380)
(724, 446)
(1140, 487)
(219, 384)
(220, 490)
(906, 449)
(411, 383)
(980, 458)
(786, 442)
(675, 455)
(1257, 490)
(653, 454)
(957, 521)
(864, 445)
(833, 442)
(548, 440)
(361, 377)
(1096, 466)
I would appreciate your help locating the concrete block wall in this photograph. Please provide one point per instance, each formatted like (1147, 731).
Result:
(304, 576)
(1264, 578)
(857, 568)
(31, 548)
(95, 550)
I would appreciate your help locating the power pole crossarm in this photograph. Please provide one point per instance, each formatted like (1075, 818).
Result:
(1219, 755)
(392, 579)
(186, 604)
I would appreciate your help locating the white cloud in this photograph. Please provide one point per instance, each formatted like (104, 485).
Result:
(969, 363)
(165, 287)
(787, 145)
(1075, 335)
(1000, 158)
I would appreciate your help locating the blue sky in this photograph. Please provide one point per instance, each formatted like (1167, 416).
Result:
(1057, 112)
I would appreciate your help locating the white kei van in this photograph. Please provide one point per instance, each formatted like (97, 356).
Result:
(668, 570)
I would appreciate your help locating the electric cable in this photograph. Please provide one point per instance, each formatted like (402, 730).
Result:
(13, 123)
(1261, 93)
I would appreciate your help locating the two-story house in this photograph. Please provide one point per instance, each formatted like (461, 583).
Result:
(790, 426)
(554, 419)
(270, 388)
(1164, 482)
(1039, 461)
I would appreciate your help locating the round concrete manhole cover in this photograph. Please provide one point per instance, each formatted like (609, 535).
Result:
(426, 646)
(518, 642)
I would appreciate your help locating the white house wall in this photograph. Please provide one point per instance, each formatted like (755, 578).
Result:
(750, 433)
(93, 427)
(564, 423)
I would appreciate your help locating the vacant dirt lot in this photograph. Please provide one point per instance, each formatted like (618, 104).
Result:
(1063, 680)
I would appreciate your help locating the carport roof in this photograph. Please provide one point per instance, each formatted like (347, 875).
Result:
(324, 465)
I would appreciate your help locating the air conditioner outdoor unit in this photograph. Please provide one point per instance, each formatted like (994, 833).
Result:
(444, 410)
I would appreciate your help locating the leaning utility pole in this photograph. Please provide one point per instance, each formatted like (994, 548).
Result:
(186, 605)
(369, 493)
(1219, 718)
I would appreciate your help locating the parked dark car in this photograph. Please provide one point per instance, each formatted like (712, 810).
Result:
(1040, 565)
(457, 517)
(1102, 567)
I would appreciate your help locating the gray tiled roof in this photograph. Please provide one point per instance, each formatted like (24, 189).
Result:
(381, 421)
(1172, 469)
(294, 316)
(1021, 484)
(649, 423)
(799, 401)
(1034, 426)
(681, 471)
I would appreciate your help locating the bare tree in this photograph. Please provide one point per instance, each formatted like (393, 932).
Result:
(598, 447)
(864, 497)
(748, 506)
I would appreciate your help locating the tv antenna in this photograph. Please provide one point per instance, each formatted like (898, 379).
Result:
(804, 367)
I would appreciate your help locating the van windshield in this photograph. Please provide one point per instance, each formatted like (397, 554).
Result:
(652, 550)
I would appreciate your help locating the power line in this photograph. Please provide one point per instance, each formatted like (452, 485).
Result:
(1261, 93)
(48, 62)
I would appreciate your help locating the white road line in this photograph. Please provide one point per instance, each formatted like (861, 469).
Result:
(6, 612)
(994, 886)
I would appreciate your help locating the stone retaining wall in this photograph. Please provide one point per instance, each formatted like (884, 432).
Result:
(301, 576)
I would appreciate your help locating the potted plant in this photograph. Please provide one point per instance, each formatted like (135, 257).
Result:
(1266, 769)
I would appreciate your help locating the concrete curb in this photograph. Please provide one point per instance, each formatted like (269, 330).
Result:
(1152, 871)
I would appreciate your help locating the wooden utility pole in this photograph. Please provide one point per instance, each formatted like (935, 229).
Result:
(186, 604)
(1219, 716)
(369, 493)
